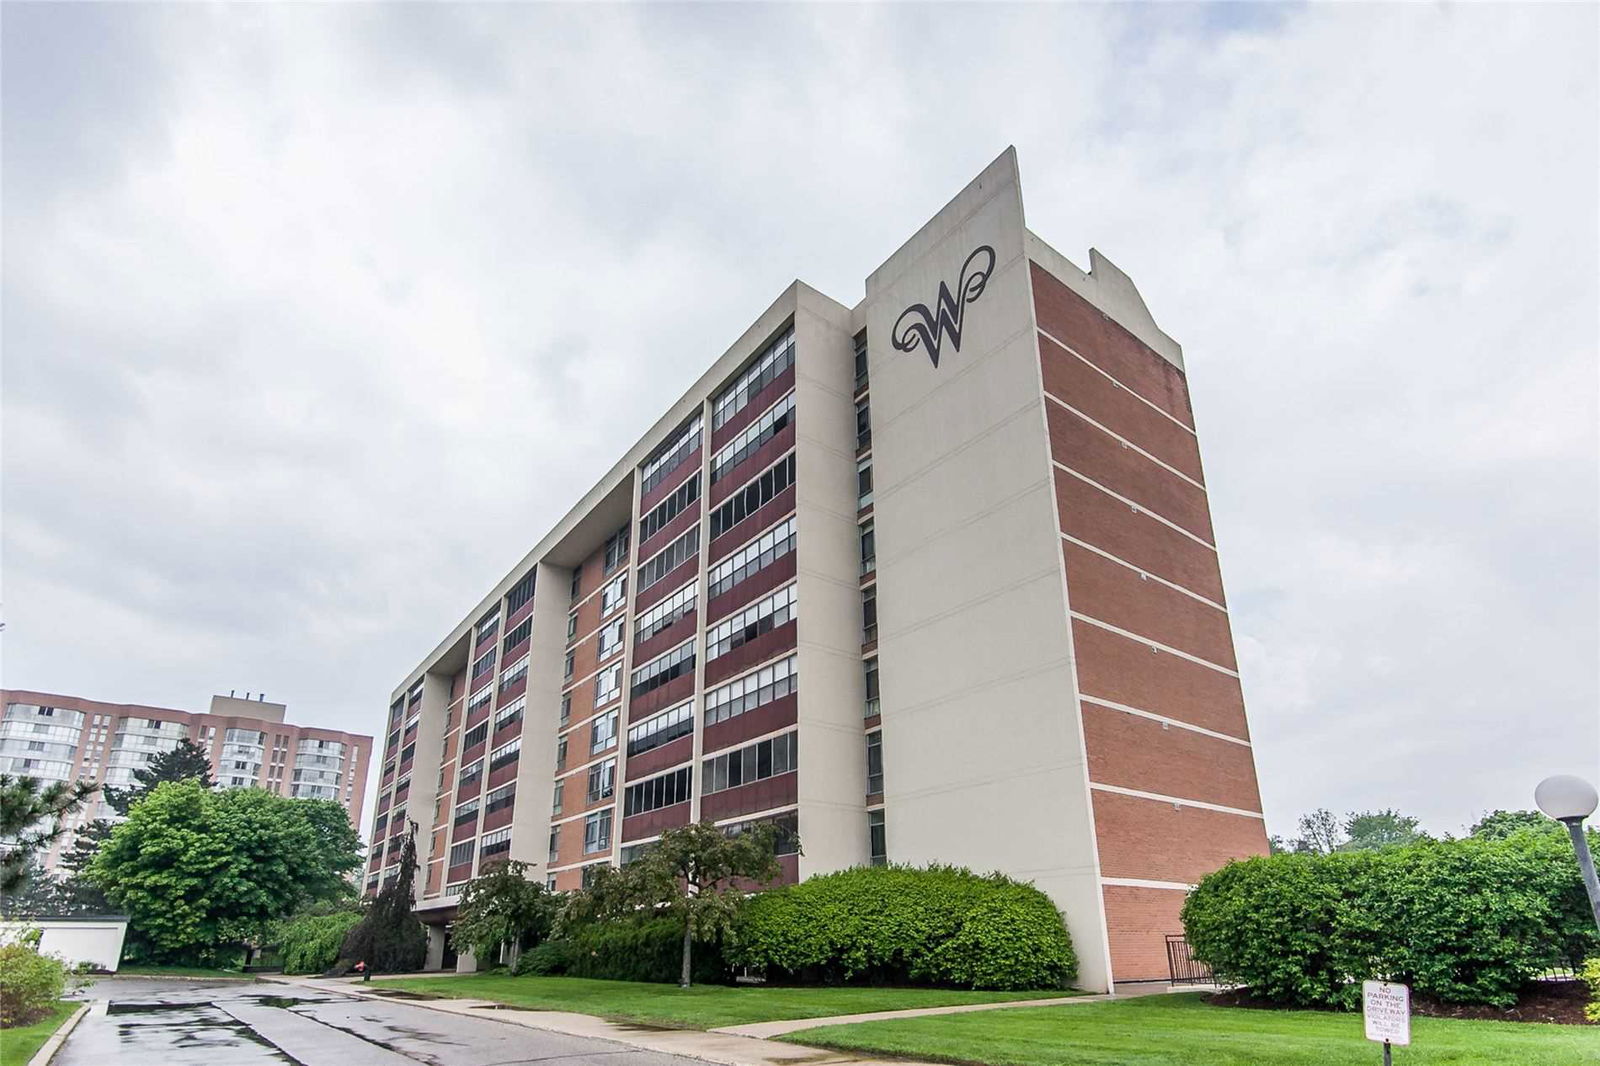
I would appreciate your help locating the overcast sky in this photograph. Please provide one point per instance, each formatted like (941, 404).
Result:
(316, 318)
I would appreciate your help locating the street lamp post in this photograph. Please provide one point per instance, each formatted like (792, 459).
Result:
(1569, 800)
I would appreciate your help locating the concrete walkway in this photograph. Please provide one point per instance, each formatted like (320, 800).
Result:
(734, 1045)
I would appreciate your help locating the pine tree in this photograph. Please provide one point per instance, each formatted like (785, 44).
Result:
(390, 939)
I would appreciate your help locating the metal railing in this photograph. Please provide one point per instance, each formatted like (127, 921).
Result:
(1183, 968)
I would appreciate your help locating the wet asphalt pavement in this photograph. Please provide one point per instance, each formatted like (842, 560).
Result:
(134, 1022)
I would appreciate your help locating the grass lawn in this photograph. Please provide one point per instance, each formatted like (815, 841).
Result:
(700, 1007)
(18, 1045)
(182, 971)
(1183, 1030)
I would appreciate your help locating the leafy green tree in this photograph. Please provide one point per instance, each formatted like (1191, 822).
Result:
(1497, 825)
(198, 871)
(31, 814)
(697, 874)
(186, 762)
(390, 939)
(1374, 830)
(503, 906)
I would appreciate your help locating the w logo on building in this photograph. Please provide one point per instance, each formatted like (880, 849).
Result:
(921, 327)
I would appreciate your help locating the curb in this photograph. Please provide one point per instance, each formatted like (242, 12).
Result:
(43, 1056)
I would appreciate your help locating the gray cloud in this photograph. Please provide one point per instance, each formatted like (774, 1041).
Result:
(315, 318)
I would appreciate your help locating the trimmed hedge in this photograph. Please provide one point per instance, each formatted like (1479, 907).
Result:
(648, 950)
(901, 925)
(1464, 921)
(544, 960)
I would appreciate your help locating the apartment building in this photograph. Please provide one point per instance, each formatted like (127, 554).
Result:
(931, 577)
(67, 738)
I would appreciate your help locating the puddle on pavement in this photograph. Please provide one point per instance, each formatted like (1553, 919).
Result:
(283, 1001)
(150, 1008)
(640, 1027)
(397, 994)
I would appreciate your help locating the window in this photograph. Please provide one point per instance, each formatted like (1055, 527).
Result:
(483, 665)
(662, 669)
(466, 812)
(755, 556)
(863, 483)
(516, 635)
(577, 584)
(759, 761)
(669, 558)
(875, 762)
(616, 549)
(597, 832)
(753, 690)
(861, 360)
(555, 841)
(566, 708)
(558, 797)
(505, 754)
(786, 841)
(669, 456)
(668, 509)
(469, 774)
(495, 843)
(602, 781)
(613, 595)
(475, 736)
(607, 683)
(566, 670)
(611, 638)
(870, 670)
(762, 371)
(657, 792)
(664, 728)
(561, 753)
(479, 701)
(750, 440)
(461, 853)
(869, 546)
(500, 798)
(863, 425)
(572, 626)
(602, 733)
(750, 499)
(550, 882)
(869, 615)
(406, 754)
(877, 845)
(678, 605)
(510, 714)
(487, 626)
(514, 673)
(520, 593)
(591, 873)
(761, 617)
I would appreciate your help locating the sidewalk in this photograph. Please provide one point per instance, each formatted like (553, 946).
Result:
(767, 1030)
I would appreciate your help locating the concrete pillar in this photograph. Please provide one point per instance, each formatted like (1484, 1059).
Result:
(435, 957)
(466, 962)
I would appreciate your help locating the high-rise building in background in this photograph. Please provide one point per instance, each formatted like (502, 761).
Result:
(928, 578)
(66, 738)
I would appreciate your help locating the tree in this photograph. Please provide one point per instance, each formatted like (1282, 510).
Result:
(186, 762)
(198, 870)
(1497, 825)
(31, 814)
(390, 939)
(1374, 830)
(1319, 833)
(696, 874)
(502, 906)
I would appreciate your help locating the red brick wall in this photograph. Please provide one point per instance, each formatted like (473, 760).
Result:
(1137, 922)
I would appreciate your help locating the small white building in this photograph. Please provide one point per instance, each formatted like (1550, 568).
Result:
(95, 942)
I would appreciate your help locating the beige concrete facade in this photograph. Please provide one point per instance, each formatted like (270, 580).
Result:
(1043, 553)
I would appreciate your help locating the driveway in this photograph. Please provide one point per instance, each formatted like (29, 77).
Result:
(140, 1022)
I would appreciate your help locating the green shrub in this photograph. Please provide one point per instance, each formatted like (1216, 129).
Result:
(1591, 977)
(649, 950)
(901, 925)
(1465, 921)
(30, 984)
(544, 960)
(309, 943)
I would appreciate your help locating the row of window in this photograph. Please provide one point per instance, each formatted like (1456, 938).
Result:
(479, 700)
(750, 499)
(663, 669)
(764, 369)
(667, 458)
(500, 798)
(754, 557)
(511, 713)
(678, 605)
(516, 635)
(760, 617)
(751, 438)
(757, 762)
(669, 558)
(514, 674)
(483, 665)
(486, 626)
(669, 508)
(657, 792)
(753, 690)
(662, 729)
(494, 843)
(505, 754)
(520, 593)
